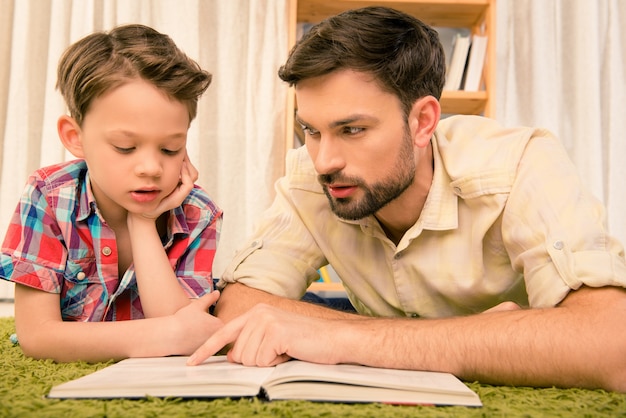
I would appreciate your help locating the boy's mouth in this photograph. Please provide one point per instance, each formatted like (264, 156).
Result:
(144, 195)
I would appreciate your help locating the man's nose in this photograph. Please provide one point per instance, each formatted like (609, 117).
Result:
(327, 156)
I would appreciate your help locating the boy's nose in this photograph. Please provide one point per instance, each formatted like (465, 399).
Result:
(149, 166)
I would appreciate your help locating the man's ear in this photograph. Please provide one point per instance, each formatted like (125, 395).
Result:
(70, 135)
(423, 120)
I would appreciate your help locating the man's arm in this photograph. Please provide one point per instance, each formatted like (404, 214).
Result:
(237, 299)
(580, 343)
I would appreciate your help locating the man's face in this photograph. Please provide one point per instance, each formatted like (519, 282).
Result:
(358, 140)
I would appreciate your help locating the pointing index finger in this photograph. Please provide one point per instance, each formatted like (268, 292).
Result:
(225, 335)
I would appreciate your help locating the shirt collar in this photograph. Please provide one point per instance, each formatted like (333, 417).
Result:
(177, 223)
(440, 210)
(86, 200)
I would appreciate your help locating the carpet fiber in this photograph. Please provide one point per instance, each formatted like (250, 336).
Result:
(25, 382)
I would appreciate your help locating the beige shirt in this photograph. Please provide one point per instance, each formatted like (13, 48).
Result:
(506, 218)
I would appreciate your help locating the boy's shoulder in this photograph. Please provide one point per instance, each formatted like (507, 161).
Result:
(61, 174)
(200, 198)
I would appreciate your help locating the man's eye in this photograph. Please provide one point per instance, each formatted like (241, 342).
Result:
(309, 131)
(351, 130)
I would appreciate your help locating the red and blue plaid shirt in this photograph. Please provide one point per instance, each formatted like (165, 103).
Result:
(57, 242)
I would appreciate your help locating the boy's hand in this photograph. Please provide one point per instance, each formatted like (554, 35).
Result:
(188, 176)
(192, 325)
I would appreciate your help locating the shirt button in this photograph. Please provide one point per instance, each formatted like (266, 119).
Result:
(106, 251)
(558, 245)
(80, 276)
(457, 190)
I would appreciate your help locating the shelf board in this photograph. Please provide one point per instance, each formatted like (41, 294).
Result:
(443, 13)
(326, 287)
(465, 102)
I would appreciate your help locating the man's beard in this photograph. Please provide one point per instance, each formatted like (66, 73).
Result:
(377, 195)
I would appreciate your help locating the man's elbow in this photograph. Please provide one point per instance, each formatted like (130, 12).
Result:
(615, 379)
(235, 299)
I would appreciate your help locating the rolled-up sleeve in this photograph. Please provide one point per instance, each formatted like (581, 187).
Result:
(282, 256)
(555, 231)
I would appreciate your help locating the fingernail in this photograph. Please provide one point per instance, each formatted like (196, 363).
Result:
(191, 360)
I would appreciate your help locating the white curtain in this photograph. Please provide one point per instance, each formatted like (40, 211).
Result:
(237, 140)
(561, 65)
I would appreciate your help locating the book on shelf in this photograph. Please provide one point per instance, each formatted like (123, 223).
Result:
(293, 380)
(458, 58)
(475, 63)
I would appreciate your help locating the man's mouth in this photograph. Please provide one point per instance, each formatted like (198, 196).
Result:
(340, 191)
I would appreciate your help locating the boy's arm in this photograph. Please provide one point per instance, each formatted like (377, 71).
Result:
(159, 289)
(160, 292)
(43, 334)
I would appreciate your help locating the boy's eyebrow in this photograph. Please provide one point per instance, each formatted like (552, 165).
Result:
(130, 134)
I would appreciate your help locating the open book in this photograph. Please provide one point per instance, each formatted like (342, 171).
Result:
(171, 377)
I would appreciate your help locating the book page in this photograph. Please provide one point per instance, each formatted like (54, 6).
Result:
(167, 376)
(367, 376)
(353, 383)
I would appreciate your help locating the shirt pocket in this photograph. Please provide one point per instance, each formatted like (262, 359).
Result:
(82, 297)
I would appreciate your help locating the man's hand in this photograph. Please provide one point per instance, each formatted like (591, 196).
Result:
(266, 336)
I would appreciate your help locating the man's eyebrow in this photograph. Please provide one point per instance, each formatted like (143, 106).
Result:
(300, 121)
(342, 122)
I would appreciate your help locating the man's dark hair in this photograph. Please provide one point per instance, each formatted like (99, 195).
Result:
(403, 54)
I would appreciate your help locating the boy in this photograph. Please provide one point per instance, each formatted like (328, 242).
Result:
(122, 232)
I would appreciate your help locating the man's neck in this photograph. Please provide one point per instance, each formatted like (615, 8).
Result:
(398, 216)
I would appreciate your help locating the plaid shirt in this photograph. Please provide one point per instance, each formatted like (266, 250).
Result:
(58, 242)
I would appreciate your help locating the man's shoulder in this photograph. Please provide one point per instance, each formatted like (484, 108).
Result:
(473, 143)
(300, 171)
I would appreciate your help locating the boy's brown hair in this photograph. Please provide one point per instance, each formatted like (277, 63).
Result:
(102, 61)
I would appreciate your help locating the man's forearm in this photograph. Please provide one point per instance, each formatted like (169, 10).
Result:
(579, 344)
(238, 298)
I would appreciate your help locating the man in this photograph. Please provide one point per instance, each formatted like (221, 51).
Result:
(464, 247)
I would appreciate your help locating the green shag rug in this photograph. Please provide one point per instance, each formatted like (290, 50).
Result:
(25, 382)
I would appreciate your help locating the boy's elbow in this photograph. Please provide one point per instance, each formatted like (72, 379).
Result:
(33, 349)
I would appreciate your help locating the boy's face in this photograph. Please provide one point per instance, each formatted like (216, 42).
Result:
(133, 139)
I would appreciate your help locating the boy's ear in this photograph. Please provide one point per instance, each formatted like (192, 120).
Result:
(423, 119)
(69, 133)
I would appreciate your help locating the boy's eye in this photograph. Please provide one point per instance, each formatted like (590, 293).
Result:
(170, 152)
(122, 150)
